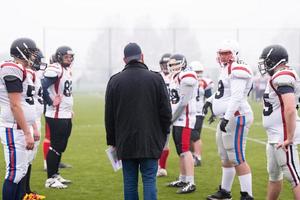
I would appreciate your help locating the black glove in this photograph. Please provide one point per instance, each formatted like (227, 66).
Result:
(223, 124)
(205, 107)
(212, 118)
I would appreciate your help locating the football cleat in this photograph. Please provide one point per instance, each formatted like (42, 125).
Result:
(246, 196)
(62, 180)
(161, 172)
(54, 183)
(197, 161)
(34, 196)
(188, 188)
(221, 194)
(177, 183)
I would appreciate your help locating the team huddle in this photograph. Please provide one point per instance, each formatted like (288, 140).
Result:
(26, 84)
(191, 98)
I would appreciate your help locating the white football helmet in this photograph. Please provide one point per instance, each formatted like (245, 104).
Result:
(177, 63)
(227, 52)
(198, 68)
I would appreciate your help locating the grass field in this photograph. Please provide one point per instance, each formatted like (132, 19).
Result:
(93, 177)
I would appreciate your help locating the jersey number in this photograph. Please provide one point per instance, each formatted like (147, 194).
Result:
(220, 92)
(174, 96)
(68, 88)
(30, 92)
(268, 109)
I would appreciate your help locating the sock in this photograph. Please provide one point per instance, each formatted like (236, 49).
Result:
(21, 186)
(198, 156)
(53, 159)
(190, 179)
(227, 178)
(246, 183)
(46, 145)
(163, 158)
(182, 178)
(28, 174)
(9, 190)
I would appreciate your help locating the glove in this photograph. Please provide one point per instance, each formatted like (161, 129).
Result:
(223, 124)
(212, 118)
(205, 107)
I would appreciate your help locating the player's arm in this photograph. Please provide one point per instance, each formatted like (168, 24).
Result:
(238, 82)
(14, 88)
(186, 88)
(289, 104)
(46, 83)
(109, 116)
(36, 133)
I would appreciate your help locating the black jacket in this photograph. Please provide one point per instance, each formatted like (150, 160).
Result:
(137, 112)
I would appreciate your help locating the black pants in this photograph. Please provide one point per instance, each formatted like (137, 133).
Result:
(60, 131)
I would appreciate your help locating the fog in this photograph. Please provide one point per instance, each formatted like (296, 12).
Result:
(98, 31)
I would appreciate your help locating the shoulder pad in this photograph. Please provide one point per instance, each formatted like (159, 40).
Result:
(241, 71)
(53, 70)
(12, 69)
(188, 78)
(207, 83)
(284, 77)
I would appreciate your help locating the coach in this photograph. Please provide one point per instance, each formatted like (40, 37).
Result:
(137, 119)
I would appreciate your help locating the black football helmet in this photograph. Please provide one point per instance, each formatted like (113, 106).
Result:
(23, 48)
(271, 57)
(37, 63)
(60, 52)
(163, 63)
(177, 63)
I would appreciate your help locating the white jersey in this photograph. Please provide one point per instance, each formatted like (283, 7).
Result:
(204, 85)
(27, 101)
(177, 84)
(273, 114)
(235, 83)
(63, 87)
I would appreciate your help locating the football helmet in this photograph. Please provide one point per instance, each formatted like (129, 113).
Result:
(52, 59)
(37, 63)
(24, 49)
(163, 62)
(177, 63)
(271, 57)
(227, 52)
(60, 56)
(198, 68)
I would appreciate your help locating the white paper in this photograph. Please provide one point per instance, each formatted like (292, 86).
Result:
(112, 156)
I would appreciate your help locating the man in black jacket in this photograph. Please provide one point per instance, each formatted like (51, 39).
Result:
(137, 119)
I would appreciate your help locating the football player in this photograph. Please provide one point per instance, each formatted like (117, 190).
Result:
(280, 120)
(183, 90)
(204, 91)
(231, 105)
(57, 94)
(162, 171)
(17, 115)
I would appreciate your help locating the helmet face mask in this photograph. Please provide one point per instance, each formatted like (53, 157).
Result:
(271, 57)
(228, 52)
(36, 61)
(177, 63)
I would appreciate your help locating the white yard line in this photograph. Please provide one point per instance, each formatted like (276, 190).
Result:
(248, 138)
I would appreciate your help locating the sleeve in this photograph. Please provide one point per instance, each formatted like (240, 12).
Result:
(46, 83)
(53, 70)
(284, 78)
(207, 93)
(285, 89)
(13, 84)
(11, 70)
(187, 85)
(109, 116)
(237, 88)
(165, 111)
(241, 71)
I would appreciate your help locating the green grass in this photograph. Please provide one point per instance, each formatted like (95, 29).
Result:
(93, 177)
